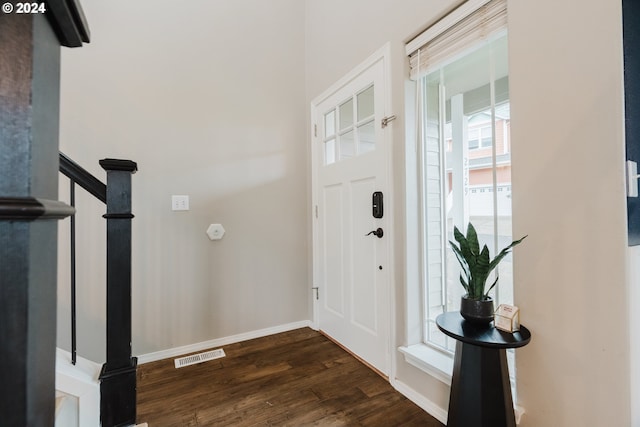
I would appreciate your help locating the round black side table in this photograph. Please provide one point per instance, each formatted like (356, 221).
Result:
(480, 388)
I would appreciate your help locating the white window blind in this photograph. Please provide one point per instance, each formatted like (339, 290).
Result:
(472, 22)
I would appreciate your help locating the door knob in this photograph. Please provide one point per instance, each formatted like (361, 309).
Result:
(379, 232)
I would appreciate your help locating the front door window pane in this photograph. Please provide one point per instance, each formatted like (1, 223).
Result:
(366, 137)
(346, 115)
(347, 145)
(330, 123)
(365, 104)
(330, 137)
(349, 128)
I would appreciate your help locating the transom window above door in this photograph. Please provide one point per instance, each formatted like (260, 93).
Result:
(349, 127)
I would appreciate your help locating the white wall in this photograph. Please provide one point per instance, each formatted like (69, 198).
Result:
(571, 274)
(208, 98)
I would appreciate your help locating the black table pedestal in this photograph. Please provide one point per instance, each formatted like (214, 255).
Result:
(480, 388)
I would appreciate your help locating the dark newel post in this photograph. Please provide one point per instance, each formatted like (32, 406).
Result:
(631, 37)
(118, 376)
(29, 117)
(29, 114)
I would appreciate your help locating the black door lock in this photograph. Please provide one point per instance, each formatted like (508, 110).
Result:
(377, 205)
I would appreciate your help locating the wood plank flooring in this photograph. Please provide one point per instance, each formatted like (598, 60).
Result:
(297, 378)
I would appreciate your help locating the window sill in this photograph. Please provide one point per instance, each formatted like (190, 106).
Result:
(435, 363)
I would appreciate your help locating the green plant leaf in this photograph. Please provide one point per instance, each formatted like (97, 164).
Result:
(486, 294)
(476, 264)
(465, 249)
(472, 238)
(504, 253)
(464, 284)
(479, 273)
(458, 235)
(461, 259)
(460, 256)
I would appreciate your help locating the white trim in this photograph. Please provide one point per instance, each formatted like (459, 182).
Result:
(390, 262)
(435, 363)
(218, 342)
(457, 15)
(427, 405)
(633, 278)
(80, 381)
(314, 139)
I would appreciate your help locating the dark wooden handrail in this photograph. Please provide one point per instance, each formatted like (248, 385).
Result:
(83, 178)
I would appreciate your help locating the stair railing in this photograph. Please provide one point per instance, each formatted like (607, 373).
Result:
(118, 374)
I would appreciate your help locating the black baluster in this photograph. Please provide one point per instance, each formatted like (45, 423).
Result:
(72, 199)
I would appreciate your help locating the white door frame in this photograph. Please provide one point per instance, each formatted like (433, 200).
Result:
(383, 54)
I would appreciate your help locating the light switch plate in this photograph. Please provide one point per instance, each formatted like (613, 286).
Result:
(180, 203)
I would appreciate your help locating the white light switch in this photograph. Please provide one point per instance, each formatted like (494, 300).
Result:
(180, 203)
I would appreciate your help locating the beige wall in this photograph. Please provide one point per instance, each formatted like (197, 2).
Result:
(208, 98)
(212, 101)
(570, 275)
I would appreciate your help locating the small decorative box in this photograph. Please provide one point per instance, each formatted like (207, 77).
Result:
(507, 318)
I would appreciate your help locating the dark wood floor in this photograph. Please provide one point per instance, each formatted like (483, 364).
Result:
(297, 378)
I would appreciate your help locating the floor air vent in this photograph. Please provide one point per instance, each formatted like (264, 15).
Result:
(181, 362)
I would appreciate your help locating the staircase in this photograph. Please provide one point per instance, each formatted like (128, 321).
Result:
(86, 392)
(29, 211)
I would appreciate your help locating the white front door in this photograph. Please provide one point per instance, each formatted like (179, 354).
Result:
(351, 161)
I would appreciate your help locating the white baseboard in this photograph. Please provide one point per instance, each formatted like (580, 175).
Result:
(434, 410)
(218, 342)
(431, 408)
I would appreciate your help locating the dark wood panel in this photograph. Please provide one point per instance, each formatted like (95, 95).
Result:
(631, 26)
(68, 21)
(29, 105)
(296, 378)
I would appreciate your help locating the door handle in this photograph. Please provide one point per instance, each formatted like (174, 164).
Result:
(379, 232)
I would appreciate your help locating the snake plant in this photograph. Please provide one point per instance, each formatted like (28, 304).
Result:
(476, 264)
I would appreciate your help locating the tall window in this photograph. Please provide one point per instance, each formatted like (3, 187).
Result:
(463, 167)
(465, 172)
